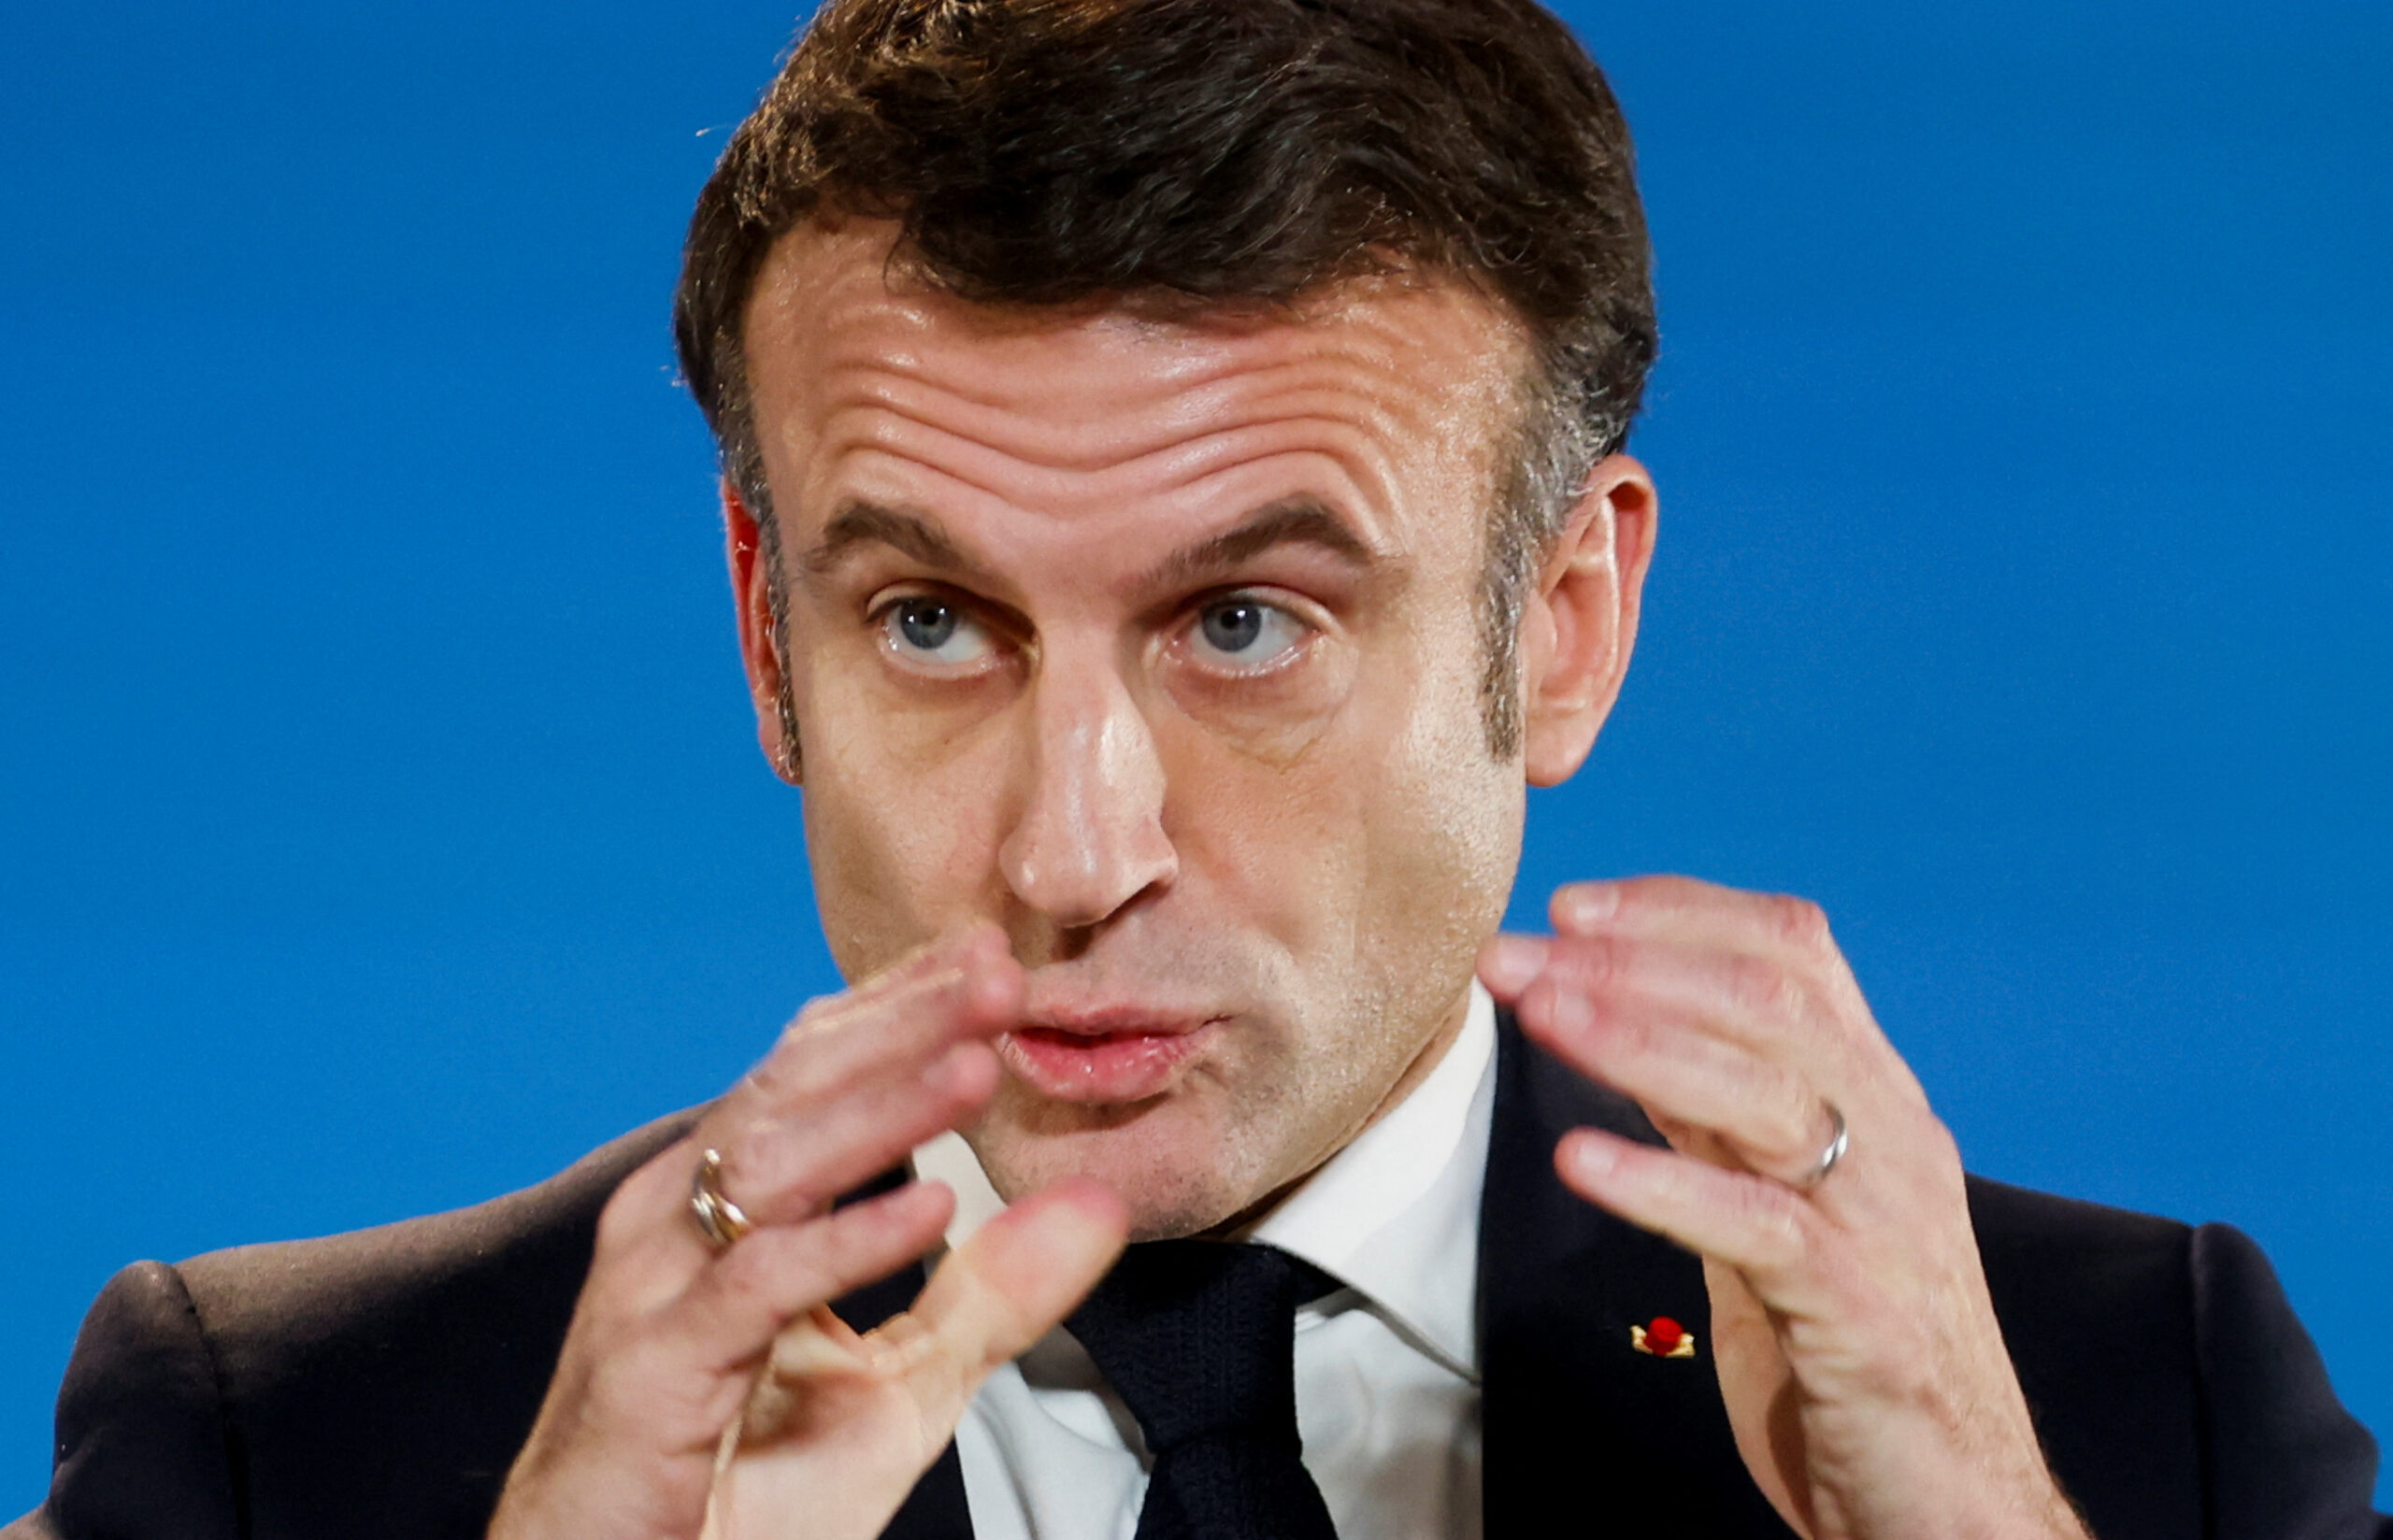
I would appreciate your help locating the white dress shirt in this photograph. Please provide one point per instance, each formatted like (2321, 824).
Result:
(1386, 1367)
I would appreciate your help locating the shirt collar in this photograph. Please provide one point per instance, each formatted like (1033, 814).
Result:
(1393, 1216)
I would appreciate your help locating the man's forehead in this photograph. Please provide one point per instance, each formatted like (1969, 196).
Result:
(833, 308)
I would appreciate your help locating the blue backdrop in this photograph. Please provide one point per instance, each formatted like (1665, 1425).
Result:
(381, 823)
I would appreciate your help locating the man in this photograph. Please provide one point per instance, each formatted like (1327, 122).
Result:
(1176, 503)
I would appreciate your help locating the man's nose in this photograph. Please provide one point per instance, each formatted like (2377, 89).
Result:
(1090, 836)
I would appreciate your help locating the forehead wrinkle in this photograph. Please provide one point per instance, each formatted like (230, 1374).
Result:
(913, 442)
(1114, 396)
(1368, 385)
(828, 293)
(1365, 498)
(1195, 428)
(1111, 433)
(979, 379)
(943, 478)
(1178, 478)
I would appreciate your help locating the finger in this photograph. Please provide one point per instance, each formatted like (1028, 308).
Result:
(1768, 1116)
(1761, 1228)
(966, 985)
(780, 1170)
(1007, 1286)
(1683, 908)
(1758, 1003)
(1509, 963)
(729, 1315)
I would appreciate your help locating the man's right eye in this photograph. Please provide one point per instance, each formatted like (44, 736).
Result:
(927, 630)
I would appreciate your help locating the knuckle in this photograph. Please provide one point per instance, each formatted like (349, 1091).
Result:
(1598, 963)
(1762, 988)
(769, 1078)
(1620, 1038)
(1773, 1218)
(816, 1019)
(824, 1007)
(1799, 922)
(797, 1066)
(1638, 1034)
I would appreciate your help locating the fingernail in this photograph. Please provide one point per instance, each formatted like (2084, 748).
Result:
(1571, 1013)
(1508, 962)
(1592, 1157)
(1583, 905)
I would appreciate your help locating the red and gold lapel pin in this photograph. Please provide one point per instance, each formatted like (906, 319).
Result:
(1662, 1337)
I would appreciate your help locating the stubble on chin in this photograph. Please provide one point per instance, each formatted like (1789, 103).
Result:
(1185, 1162)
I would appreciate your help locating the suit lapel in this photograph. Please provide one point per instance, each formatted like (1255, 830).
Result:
(1577, 1421)
(936, 1508)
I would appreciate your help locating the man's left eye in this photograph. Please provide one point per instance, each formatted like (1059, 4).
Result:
(1244, 634)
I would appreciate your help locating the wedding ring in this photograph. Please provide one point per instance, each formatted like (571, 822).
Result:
(1837, 1143)
(719, 1218)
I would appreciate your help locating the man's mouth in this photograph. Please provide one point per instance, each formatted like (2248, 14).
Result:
(1104, 1059)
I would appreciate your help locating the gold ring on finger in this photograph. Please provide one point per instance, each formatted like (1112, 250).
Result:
(719, 1219)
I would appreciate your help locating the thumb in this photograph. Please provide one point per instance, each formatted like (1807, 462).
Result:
(1009, 1285)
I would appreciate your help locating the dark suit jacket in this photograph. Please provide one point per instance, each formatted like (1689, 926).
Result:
(381, 1383)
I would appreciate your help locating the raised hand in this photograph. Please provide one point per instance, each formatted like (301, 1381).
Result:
(695, 1378)
(864, 1416)
(1856, 1346)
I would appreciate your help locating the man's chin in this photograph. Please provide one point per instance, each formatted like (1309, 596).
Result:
(1168, 1156)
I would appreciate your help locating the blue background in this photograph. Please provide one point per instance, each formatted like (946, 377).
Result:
(380, 824)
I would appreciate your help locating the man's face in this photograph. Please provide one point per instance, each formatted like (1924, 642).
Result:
(1158, 645)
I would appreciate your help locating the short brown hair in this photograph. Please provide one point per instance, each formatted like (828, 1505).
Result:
(1213, 152)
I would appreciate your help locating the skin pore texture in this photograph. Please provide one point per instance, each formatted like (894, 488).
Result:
(1156, 643)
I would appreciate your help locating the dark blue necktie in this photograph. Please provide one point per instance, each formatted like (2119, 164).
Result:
(1198, 1339)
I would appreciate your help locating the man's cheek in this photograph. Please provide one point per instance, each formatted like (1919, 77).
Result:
(1443, 833)
(1275, 720)
(902, 843)
(1276, 848)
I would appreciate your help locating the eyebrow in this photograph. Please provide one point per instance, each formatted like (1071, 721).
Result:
(861, 523)
(1303, 520)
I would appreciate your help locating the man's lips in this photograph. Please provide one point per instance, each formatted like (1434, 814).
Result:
(1103, 1056)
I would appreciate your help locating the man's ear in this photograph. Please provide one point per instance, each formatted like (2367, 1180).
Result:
(757, 606)
(1579, 620)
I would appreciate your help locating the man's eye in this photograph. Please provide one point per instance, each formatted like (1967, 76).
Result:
(932, 631)
(1244, 634)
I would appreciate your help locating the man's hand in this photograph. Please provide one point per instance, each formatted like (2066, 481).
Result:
(699, 1390)
(1857, 1347)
